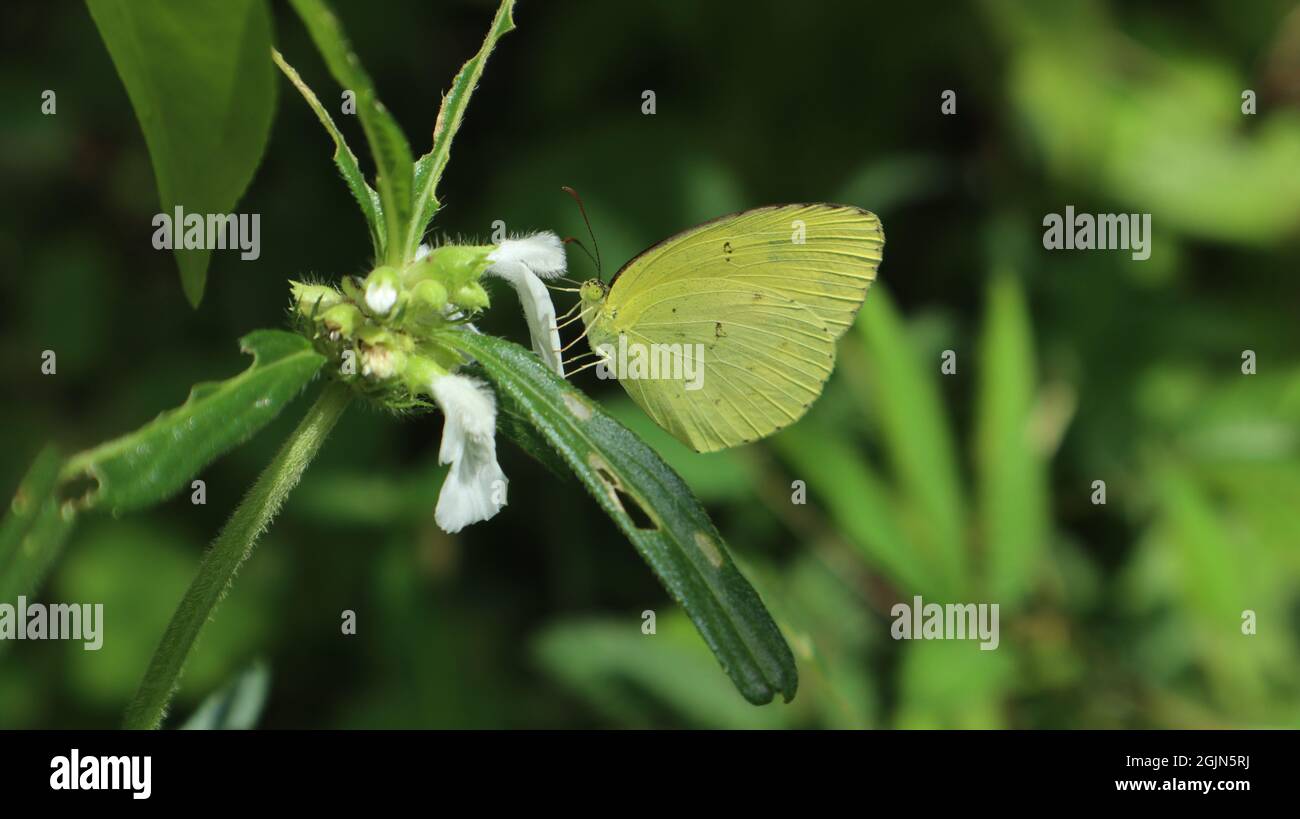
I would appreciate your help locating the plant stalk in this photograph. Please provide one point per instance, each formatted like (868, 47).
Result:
(229, 551)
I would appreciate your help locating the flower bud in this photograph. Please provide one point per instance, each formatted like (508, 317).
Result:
(312, 300)
(342, 320)
(352, 291)
(453, 265)
(429, 294)
(382, 287)
(381, 362)
(471, 297)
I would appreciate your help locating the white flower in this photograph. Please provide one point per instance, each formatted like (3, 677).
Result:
(542, 253)
(524, 262)
(378, 361)
(475, 488)
(381, 296)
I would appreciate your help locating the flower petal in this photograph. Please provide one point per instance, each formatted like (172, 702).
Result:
(542, 253)
(523, 263)
(469, 496)
(475, 488)
(539, 311)
(380, 297)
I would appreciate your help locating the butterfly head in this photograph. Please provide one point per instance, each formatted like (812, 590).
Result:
(593, 293)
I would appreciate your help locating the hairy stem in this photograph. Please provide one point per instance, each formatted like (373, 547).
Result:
(231, 548)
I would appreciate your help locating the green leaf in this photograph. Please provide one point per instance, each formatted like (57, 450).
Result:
(655, 510)
(200, 79)
(916, 434)
(237, 706)
(1012, 480)
(513, 422)
(714, 477)
(34, 529)
(388, 144)
(160, 458)
(344, 159)
(229, 551)
(428, 170)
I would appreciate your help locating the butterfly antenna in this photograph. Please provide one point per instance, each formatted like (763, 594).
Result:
(590, 232)
(570, 240)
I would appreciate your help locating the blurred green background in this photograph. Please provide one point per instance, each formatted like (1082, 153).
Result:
(1072, 367)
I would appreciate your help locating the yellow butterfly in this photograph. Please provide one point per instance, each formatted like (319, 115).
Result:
(725, 333)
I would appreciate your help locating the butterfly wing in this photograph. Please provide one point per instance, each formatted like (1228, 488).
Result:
(819, 255)
(741, 362)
